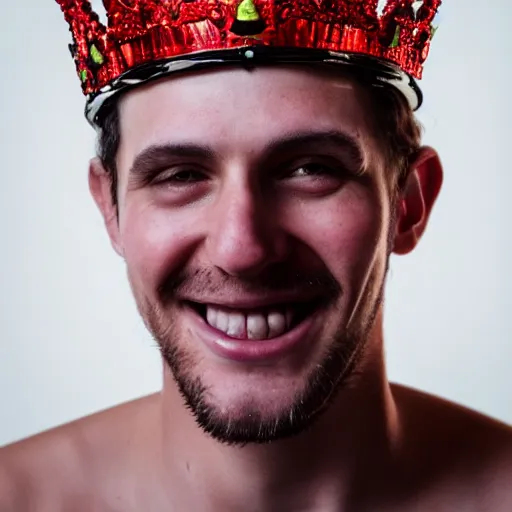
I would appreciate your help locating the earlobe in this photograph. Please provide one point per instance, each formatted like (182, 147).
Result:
(416, 200)
(100, 186)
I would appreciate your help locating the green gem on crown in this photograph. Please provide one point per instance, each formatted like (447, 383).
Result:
(96, 55)
(247, 11)
(396, 38)
(248, 21)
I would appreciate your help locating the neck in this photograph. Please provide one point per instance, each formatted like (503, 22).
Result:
(351, 445)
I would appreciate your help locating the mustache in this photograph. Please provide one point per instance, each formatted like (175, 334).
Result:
(213, 281)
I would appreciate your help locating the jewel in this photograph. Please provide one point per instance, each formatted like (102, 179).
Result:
(96, 56)
(396, 38)
(248, 21)
(246, 11)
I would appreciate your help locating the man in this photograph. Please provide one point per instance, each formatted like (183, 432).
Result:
(256, 192)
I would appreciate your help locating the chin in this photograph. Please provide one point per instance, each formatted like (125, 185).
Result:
(242, 403)
(257, 408)
(259, 398)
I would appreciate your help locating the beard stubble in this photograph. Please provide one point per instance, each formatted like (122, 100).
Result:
(338, 365)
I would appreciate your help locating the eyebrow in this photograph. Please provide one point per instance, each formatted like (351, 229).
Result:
(157, 156)
(328, 139)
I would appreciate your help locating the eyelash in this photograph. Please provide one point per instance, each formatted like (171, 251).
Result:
(320, 170)
(173, 177)
(325, 170)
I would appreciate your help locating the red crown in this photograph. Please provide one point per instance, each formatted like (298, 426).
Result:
(143, 31)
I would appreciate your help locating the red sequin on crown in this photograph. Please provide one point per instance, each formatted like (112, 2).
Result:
(143, 31)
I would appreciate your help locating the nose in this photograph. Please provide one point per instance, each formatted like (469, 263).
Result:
(245, 236)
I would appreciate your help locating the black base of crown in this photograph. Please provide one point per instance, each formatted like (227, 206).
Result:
(247, 28)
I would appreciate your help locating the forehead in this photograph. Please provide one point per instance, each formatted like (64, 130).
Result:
(240, 111)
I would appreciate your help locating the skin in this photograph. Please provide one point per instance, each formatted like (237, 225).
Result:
(375, 446)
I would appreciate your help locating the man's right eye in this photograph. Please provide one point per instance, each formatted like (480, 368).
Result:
(180, 177)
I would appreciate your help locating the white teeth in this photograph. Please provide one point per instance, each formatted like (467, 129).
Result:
(211, 316)
(236, 325)
(253, 326)
(257, 327)
(221, 322)
(276, 324)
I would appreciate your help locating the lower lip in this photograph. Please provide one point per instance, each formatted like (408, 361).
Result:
(253, 350)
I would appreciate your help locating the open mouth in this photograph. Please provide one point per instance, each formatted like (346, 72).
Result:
(255, 324)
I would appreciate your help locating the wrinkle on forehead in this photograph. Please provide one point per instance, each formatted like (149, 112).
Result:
(239, 111)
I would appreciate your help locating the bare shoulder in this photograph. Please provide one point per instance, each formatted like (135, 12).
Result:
(446, 420)
(48, 471)
(462, 453)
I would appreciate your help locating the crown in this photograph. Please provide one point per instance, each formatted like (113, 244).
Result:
(146, 39)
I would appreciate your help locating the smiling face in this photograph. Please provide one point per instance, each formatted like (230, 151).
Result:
(254, 220)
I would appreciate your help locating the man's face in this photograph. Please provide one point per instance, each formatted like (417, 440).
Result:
(254, 220)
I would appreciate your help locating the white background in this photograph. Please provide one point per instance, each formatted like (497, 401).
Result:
(72, 342)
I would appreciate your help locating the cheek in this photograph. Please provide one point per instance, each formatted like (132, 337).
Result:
(345, 232)
(156, 242)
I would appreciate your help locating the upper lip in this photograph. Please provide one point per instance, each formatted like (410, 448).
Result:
(233, 302)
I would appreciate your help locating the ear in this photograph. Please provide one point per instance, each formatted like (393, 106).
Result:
(416, 200)
(100, 183)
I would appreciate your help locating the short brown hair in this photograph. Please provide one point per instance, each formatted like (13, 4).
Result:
(398, 131)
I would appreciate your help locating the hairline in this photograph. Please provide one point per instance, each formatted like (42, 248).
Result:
(111, 122)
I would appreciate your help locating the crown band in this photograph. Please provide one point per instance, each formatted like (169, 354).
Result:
(375, 71)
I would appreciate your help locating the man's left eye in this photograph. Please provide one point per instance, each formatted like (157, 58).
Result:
(314, 170)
